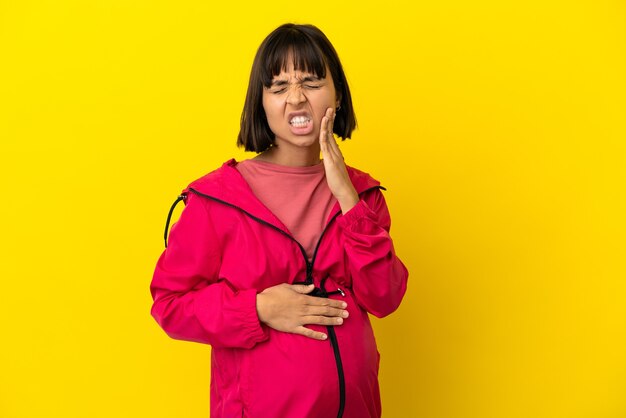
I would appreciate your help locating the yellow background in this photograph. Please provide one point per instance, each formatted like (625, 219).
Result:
(497, 127)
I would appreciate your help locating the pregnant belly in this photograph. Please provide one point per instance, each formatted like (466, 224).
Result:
(294, 376)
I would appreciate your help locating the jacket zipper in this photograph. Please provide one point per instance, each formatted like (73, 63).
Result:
(319, 292)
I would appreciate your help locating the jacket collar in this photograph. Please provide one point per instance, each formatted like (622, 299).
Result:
(227, 185)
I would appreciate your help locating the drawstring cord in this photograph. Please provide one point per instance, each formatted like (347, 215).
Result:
(321, 292)
(169, 216)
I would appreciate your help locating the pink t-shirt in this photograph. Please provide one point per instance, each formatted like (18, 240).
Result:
(298, 196)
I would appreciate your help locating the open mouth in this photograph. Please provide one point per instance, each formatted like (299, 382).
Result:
(299, 121)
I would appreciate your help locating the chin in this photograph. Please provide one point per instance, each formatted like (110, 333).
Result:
(308, 143)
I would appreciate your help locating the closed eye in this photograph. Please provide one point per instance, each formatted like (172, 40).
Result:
(308, 86)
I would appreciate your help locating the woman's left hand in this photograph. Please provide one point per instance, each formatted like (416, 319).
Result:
(336, 173)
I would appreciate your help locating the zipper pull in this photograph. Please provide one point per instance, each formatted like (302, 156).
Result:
(338, 291)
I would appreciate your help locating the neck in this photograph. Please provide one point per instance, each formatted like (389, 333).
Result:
(284, 154)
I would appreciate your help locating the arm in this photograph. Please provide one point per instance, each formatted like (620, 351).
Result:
(379, 278)
(190, 301)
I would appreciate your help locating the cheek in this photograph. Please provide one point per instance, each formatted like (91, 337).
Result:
(269, 108)
(322, 105)
(265, 103)
(327, 99)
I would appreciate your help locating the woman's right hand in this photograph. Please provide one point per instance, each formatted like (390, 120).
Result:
(287, 307)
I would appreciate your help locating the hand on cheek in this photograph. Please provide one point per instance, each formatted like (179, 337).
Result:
(336, 173)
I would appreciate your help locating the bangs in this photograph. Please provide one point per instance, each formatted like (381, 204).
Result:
(306, 56)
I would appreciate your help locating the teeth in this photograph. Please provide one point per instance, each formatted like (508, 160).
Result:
(299, 121)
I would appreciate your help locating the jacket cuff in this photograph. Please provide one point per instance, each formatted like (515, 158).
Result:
(249, 318)
(357, 212)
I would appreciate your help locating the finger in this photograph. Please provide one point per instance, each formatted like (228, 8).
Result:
(325, 311)
(325, 145)
(333, 303)
(303, 288)
(330, 125)
(326, 120)
(323, 136)
(322, 320)
(330, 119)
(310, 333)
(334, 147)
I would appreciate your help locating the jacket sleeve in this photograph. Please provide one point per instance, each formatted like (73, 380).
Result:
(190, 301)
(379, 278)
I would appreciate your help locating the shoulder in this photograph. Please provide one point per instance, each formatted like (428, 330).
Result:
(213, 179)
(362, 180)
(357, 172)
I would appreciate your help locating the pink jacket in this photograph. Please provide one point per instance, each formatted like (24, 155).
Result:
(226, 247)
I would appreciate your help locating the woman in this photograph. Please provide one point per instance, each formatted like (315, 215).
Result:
(277, 260)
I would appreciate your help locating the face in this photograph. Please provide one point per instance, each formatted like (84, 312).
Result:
(295, 104)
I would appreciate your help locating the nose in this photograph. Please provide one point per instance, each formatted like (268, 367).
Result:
(295, 95)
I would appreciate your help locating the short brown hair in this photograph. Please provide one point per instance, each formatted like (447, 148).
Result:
(312, 51)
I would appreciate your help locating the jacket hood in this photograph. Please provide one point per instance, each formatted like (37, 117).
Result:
(226, 184)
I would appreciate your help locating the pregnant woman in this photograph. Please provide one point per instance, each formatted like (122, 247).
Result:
(276, 261)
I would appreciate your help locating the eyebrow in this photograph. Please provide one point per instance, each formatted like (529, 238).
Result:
(304, 80)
